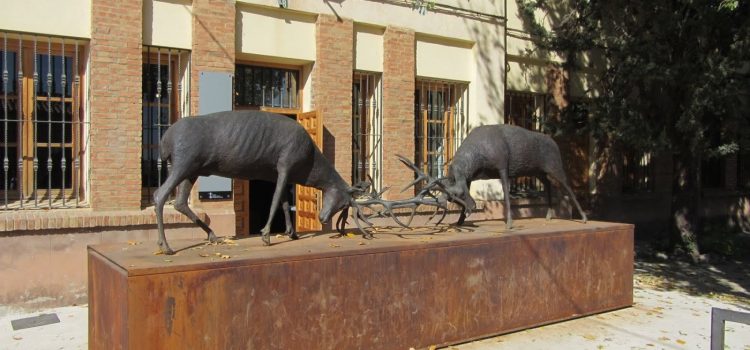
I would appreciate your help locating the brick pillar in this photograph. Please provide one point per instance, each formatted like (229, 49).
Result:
(115, 97)
(332, 89)
(399, 69)
(213, 42)
(214, 27)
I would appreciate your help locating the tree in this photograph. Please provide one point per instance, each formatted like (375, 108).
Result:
(674, 74)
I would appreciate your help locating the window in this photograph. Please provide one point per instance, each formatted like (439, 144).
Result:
(257, 86)
(164, 101)
(527, 110)
(367, 126)
(440, 112)
(638, 172)
(42, 127)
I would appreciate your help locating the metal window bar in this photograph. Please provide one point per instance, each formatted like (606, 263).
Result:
(367, 126)
(440, 113)
(257, 86)
(43, 124)
(162, 105)
(527, 110)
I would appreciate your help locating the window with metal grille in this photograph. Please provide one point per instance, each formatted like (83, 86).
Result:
(257, 86)
(527, 110)
(638, 172)
(164, 101)
(440, 112)
(43, 123)
(367, 126)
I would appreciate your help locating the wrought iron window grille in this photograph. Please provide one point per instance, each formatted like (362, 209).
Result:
(166, 72)
(367, 128)
(44, 131)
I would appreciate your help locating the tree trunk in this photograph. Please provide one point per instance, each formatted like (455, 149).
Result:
(686, 203)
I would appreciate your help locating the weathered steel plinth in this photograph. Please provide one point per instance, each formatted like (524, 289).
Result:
(403, 289)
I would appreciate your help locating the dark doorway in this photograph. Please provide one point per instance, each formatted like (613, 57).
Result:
(261, 195)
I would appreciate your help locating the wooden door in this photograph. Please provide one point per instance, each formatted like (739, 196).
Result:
(310, 199)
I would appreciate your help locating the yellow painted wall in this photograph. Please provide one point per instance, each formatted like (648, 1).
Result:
(369, 48)
(70, 18)
(168, 23)
(444, 59)
(275, 33)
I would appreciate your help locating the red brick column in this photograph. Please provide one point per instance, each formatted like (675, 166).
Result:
(399, 69)
(332, 89)
(213, 42)
(214, 28)
(115, 97)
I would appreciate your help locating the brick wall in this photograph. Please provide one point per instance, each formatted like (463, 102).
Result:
(115, 97)
(332, 88)
(213, 41)
(399, 69)
(214, 29)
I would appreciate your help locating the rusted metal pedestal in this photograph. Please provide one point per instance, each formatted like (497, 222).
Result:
(431, 286)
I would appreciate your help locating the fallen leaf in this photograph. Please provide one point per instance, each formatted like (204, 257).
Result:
(649, 344)
(433, 347)
(203, 255)
(664, 339)
(362, 243)
(279, 236)
(225, 256)
(168, 260)
(133, 243)
(217, 254)
(17, 337)
(680, 341)
(334, 245)
(158, 252)
(350, 235)
(589, 336)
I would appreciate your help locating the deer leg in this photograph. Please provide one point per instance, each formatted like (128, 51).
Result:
(506, 195)
(160, 198)
(564, 183)
(181, 205)
(548, 188)
(288, 217)
(277, 193)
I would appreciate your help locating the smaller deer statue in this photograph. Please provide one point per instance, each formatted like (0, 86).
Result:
(500, 152)
(249, 145)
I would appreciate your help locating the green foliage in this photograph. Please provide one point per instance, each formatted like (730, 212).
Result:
(675, 72)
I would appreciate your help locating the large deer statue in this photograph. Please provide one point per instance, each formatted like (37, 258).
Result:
(249, 145)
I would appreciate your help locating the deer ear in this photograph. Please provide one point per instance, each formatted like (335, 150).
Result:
(359, 187)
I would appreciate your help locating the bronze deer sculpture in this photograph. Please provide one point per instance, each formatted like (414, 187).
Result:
(503, 151)
(249, 145)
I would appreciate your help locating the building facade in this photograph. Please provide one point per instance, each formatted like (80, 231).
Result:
(92, 85)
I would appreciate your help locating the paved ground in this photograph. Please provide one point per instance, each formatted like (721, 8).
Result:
(672, 309)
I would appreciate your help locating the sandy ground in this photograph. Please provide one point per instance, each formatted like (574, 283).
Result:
(672, 310)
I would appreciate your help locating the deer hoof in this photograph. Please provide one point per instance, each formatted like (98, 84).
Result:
(212, 237)
(165, 249)
(266, 239)
(293, 235)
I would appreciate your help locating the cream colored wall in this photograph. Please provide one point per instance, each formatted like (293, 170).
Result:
(168, 23)
(70, 18)
(272, 32)
(368, 43)
(445, 59)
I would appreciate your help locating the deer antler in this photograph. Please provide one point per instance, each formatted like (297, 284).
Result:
(381, 208)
